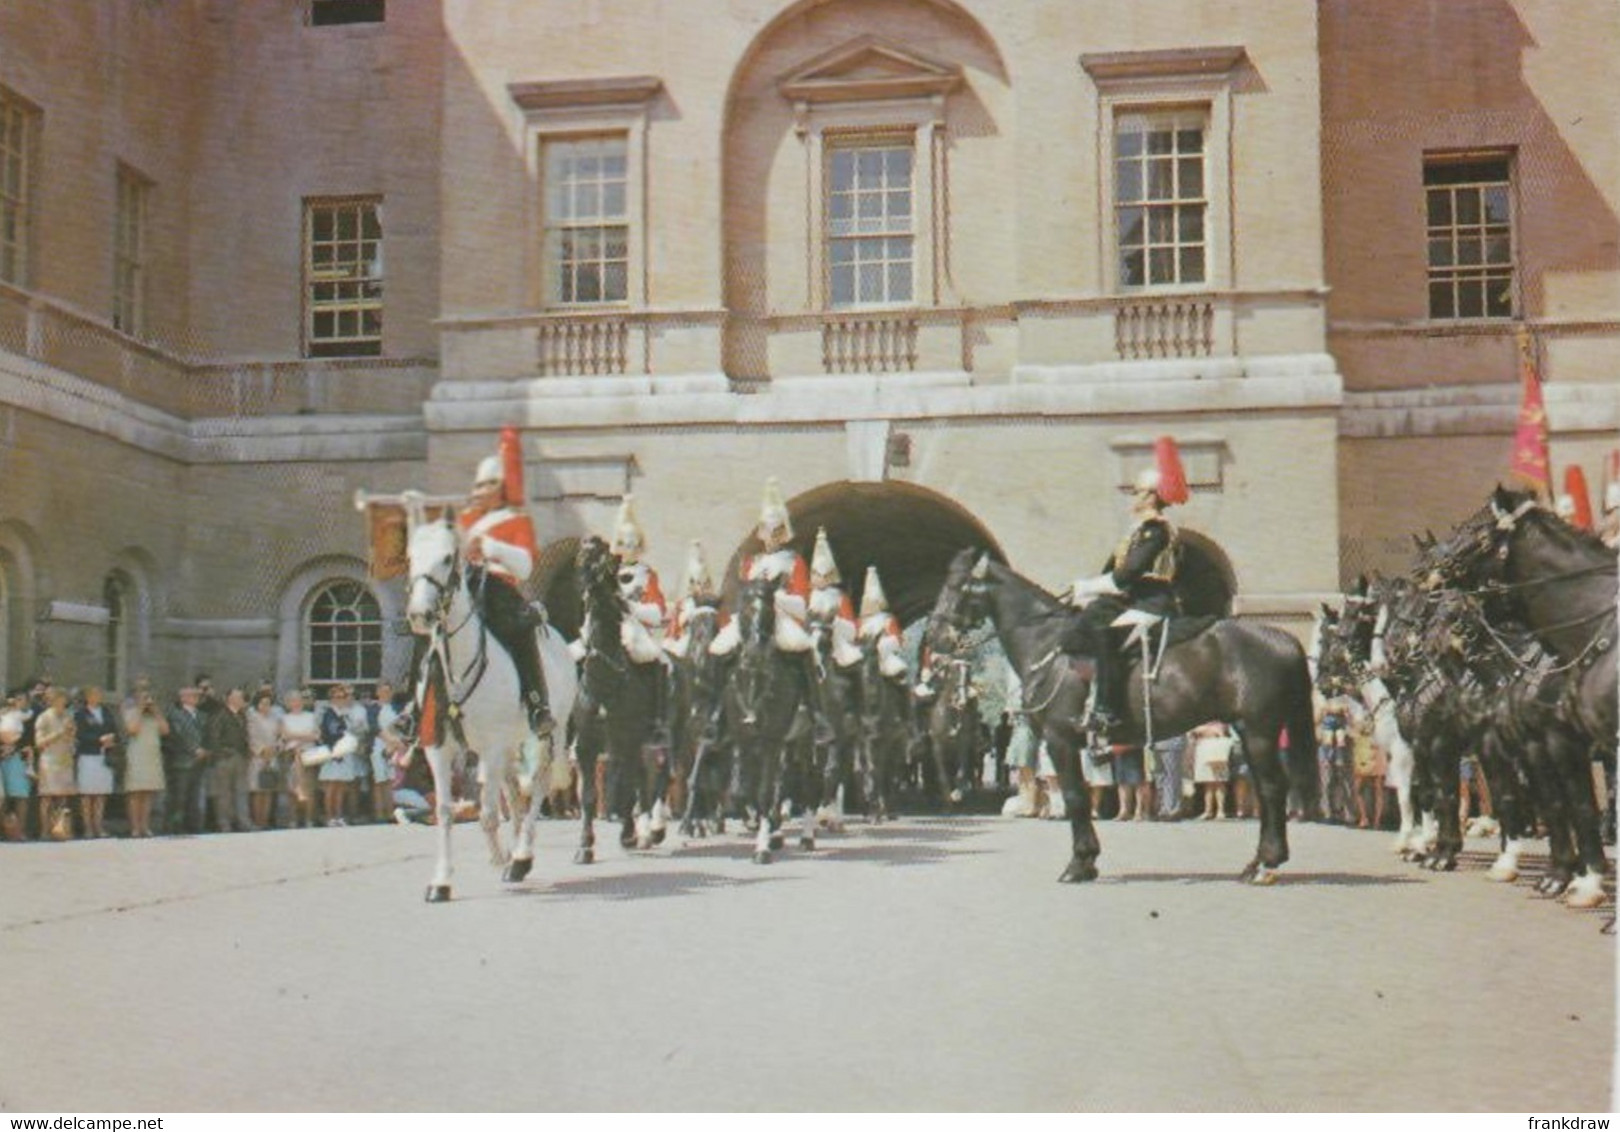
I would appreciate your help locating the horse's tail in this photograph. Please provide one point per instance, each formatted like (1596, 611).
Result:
(1301, 723)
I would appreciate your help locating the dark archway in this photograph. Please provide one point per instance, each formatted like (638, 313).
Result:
(908, 532)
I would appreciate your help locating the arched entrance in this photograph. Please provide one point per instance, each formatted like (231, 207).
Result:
(908, 532)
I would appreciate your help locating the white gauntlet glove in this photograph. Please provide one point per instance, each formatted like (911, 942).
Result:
(1087, 588)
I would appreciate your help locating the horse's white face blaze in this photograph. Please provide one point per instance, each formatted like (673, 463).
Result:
(432, 556)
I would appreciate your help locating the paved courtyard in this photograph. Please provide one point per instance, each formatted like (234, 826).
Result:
(929, 964)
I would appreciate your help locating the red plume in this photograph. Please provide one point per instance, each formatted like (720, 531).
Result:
(511, 452)
(1172, 479)
(1575, 488)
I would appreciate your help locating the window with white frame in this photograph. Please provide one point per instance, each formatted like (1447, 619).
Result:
(343, 274)
(19, 123)
(129, 252)
(1470, 236)
(587, 220)
(343, 637)
(870, 222)
(1161, 203)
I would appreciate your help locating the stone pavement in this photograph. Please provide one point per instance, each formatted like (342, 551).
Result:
(929, 964)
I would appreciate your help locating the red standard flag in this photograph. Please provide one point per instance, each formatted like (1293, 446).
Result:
(1530, 441)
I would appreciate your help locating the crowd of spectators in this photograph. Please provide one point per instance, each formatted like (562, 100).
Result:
(208, 761)
(1203, 775)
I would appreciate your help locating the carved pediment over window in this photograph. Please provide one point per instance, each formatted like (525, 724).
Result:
(870, 68)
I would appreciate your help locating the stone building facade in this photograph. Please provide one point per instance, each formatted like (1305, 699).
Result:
(944, 267)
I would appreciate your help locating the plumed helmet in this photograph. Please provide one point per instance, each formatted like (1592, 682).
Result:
(873, 600)
(1579, 500)
(629, 540)
(489, 471)
(504, 468)
(823, 566)
(775, 527)
(699, 581)
(1166, 478)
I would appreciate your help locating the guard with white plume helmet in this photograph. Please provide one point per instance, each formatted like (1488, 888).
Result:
(830, 609)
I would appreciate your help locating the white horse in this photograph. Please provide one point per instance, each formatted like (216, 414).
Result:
(1417, 834)
(471, 685)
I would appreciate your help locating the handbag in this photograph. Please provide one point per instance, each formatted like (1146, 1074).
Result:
(11, 827)
(270, 777)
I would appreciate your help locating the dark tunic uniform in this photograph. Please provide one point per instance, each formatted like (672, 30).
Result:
(1144, 569)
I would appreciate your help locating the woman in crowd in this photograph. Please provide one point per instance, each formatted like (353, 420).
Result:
(16, 770)
(1130, 777)
(386, 745)
(1367, 764)
(339, 718)
(54, 748)
(299, 732)
(143, 760)
(95, 735)
(1212, 755)
(1098, 775)
(266, 776)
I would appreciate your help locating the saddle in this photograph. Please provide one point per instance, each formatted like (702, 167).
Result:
(1160, 631)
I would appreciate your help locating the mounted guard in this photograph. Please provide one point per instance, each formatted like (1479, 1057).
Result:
(643, 630)
(498, 541)
(697, 593)
(830, 610)
(1139, 578)
(776, 560)
(880, 629)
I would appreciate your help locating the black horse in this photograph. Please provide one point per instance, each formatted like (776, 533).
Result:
(1560, 583)
(883, 714)
(834, 743)
(1253, 677)
(617, 713)
(701, 759)
(953, 724)
(765, 691)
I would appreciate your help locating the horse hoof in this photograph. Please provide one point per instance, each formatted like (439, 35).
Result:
(762, 858)
(1585, 892)
(808, 844)
(1263, 877)
(1504, 873)
(657, 837)
(585, 857)
(1078, 873)
(517, 869)
(437, 894)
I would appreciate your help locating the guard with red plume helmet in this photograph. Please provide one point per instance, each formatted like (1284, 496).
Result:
(1140, 574)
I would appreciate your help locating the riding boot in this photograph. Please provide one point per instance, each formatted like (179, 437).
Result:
(532, 683)
(1106, 713)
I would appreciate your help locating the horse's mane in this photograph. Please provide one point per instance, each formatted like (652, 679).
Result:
(1052, 605)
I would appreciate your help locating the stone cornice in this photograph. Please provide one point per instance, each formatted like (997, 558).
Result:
(565, 94)
(1174, 63)
(37, 388)
(1476, 410)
